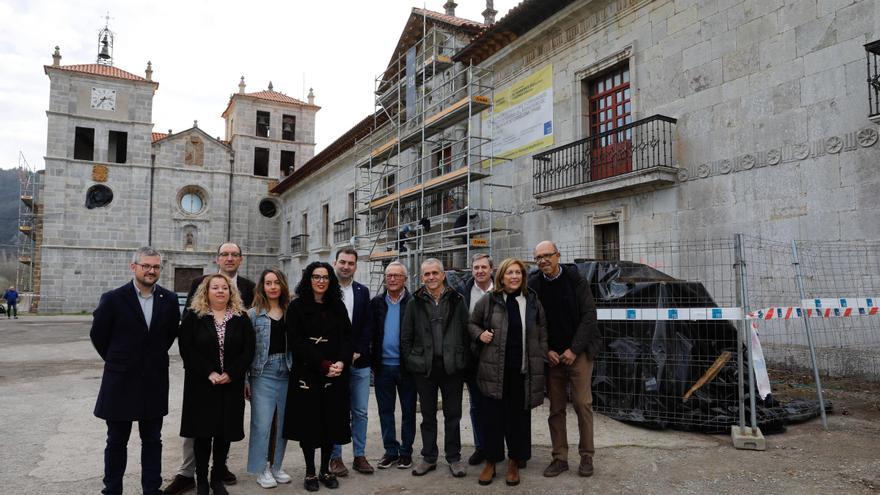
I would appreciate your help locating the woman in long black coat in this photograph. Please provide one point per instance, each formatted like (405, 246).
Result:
(217, 346)
(317, 411)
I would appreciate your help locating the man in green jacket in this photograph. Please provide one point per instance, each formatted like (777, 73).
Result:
(434, 348)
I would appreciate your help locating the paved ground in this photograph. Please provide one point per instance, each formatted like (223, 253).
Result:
(51, 444)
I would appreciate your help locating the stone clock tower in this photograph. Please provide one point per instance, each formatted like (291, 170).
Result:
(96, 209)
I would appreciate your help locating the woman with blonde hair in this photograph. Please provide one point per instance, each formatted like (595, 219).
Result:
(511, 328)
(268, 377)
(217, 345)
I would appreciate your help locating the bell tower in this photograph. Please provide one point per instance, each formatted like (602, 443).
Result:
(105, 43)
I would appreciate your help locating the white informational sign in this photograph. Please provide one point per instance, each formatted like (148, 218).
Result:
(522, 116)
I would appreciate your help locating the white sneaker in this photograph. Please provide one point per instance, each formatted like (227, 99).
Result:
(266, 480)
(281, 477)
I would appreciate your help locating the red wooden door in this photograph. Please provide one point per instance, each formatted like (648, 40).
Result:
(610, 108)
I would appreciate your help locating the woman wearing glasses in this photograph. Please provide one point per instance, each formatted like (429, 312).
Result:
(217, 345)
(317, 412)
(268, 378)
(509, 323)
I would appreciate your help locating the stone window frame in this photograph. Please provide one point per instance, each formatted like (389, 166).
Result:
(580, 109)
(617, 214)
(197, 190)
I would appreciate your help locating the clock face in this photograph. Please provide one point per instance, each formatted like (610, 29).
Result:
(104, 99)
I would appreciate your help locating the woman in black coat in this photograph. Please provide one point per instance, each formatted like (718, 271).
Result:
(217, 346)
(319, 333)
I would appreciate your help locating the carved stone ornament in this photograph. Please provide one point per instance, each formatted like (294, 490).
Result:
(867, 137)
(99, 173)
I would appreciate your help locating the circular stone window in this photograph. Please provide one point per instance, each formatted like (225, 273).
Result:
(98, 196)
(268, 208)
(191, 201)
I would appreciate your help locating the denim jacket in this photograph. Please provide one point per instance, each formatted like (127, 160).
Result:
(263, 328)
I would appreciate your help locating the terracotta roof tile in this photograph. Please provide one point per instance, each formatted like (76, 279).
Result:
(101, 70)
(267, 95)
(276, 97)
(158, 136)
(449, 19)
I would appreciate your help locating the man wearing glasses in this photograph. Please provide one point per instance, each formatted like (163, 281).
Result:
(228, 260)
(132, 330)
(573, 341)
(392, 380)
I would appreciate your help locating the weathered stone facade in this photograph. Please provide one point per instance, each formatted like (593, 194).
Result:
(772, 137)
(86, 251)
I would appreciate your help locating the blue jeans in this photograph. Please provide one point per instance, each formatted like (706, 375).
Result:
(268, 396)
(360, 400)
(116, 455)
(392, 382)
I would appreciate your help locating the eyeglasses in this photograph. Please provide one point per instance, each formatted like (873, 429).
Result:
(320, 278)
(394, 275)
(541, 257)
(147, 267)
(229, 255)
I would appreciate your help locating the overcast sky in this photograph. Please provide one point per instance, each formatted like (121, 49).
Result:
(199, 49)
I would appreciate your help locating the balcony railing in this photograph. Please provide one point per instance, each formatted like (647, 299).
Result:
(299, 244)
(639, 146)
(872, 55)
(343, 230)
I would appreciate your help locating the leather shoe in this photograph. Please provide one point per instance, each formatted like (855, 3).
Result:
(179, 484)
(586, 467)
(329, 480)
(227, 476)
(362, 465)
(512, 478)
(487, 474)
(310, 483)
(338, 468)
(555, 468)
(476, 458)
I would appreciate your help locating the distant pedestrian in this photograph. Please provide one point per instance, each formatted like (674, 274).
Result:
(133, 328)
(11, 297)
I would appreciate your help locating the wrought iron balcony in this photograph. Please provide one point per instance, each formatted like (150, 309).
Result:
(636, 155)
(343, 230)
(872, 55)
(299, 244)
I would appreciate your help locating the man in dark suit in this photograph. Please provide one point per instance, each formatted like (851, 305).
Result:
(229, 258)
(357, 302)
(133, 328)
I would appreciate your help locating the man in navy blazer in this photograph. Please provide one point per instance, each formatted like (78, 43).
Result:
(357, 302)
(132, 330)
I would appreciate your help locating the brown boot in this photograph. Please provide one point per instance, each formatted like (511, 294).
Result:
(512, 478)
(487, 474)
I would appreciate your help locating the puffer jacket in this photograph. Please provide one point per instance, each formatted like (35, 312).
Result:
(491, 313)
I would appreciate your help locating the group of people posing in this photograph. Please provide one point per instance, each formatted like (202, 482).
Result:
(304, 359)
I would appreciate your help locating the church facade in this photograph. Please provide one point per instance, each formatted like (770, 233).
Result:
(112, 184)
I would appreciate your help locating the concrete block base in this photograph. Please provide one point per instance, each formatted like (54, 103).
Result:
(746, 439)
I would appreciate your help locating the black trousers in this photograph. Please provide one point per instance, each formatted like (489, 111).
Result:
(202, 449)
(116, 455)
(451, 388)
(507, 420)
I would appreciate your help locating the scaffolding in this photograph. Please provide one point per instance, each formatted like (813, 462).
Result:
(420, 173)
(28, 226)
